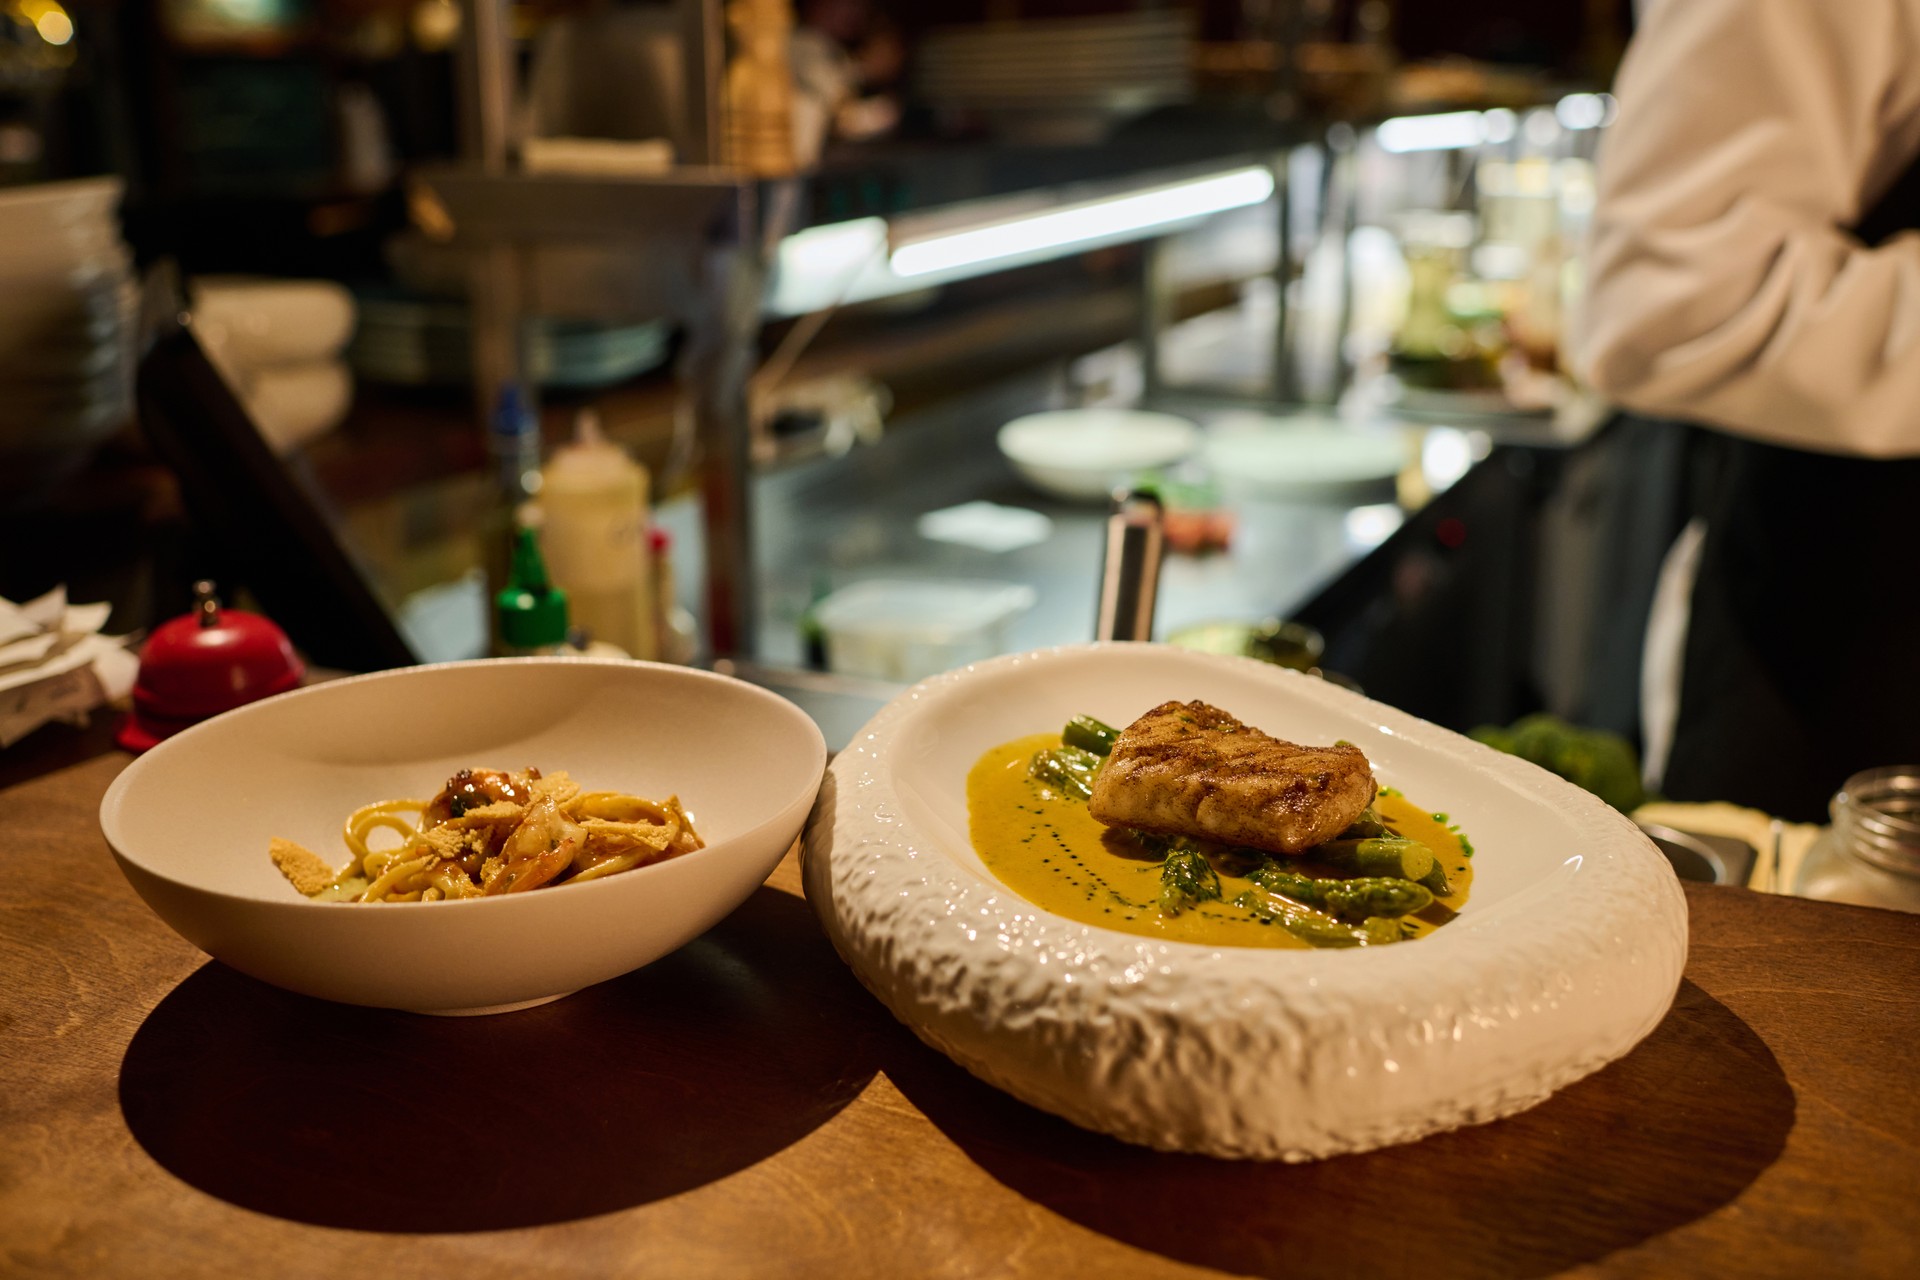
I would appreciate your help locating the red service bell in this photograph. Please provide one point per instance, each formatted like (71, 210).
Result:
(209, 661)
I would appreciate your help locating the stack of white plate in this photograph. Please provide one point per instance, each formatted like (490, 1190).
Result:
(279, 343)
(416, 342)
(67, 306)
(1060, 79)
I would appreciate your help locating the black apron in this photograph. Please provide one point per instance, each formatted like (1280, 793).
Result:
(1802, 660)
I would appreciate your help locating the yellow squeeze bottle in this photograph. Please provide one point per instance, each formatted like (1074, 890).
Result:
(593, 500)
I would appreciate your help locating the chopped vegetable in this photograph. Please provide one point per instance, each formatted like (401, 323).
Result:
(1393, 856)
(1069, 769)
(1354, 900)
(1380, 931)
(1315, 928)
(1366, 826)
(1089, 734)
(1187, 879)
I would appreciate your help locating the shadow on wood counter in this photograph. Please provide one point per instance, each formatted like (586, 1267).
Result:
(1666, 1135)
(670, 1078)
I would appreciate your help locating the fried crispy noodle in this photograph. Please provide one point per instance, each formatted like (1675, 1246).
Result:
(302, 867)
(490, 832)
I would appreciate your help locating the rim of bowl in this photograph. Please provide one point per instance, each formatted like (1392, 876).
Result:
(1177, 438)
(110, 802)
(1046, 420)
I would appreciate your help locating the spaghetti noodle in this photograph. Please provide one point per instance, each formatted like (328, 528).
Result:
(489, 832)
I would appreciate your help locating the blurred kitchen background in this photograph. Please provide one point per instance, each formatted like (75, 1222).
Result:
(764, 296)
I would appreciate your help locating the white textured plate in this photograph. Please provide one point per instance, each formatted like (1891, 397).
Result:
(190, 821)
(1569, 951)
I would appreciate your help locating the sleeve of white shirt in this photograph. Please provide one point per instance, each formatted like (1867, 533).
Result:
(1722, 284)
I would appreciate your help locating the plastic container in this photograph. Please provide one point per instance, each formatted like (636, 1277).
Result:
(887, 629)
(593, 502)
(1871, 854)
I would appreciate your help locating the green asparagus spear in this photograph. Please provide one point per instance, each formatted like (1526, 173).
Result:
(1381, 930)
(1049, 767)
(1377, 856)
(1315, 928)
(1354, 900)
(1089, 734)
(1435, 881)
(1186, 880)
(1067, 768)
(1366, 826)
(1378, 896)
(1085, 760)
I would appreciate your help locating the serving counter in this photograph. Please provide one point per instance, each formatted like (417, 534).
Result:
(744, 1108)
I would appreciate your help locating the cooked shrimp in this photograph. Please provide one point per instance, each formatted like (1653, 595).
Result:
(540, 848)
(472, 788)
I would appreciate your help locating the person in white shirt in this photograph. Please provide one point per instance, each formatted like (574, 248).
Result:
(1754, 268)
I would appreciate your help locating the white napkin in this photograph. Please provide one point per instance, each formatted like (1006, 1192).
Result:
(55, 664)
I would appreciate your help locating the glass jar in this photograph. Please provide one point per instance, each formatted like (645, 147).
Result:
(1871, 854)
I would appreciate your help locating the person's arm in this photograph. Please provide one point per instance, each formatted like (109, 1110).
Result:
(1722, 286)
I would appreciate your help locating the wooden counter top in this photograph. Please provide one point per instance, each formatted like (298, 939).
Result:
(743, 1108)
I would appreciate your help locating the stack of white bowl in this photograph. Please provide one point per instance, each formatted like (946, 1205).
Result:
(279, 343)
(1060, 79)
(67, 309)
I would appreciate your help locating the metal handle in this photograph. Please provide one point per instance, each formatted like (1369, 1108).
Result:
(205, 603)
(1130, 572)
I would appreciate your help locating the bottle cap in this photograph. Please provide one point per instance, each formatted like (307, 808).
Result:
(591, 464)
(512, 415)
(532, 611)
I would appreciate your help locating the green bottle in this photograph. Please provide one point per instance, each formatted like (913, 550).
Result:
(531, 611)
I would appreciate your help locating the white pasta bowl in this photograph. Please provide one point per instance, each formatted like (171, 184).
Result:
(190, 822)
(1568, 952)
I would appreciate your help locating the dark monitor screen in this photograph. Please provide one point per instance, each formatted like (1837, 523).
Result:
(260, 515)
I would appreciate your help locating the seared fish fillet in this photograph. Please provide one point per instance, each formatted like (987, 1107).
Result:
(1195, 771)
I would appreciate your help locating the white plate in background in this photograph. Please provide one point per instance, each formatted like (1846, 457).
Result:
(1084, 454)
(1304, 455)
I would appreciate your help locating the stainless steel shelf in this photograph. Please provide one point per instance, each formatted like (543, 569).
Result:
(537, 208)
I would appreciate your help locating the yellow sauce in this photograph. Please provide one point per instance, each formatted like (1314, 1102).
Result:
(1050, 851)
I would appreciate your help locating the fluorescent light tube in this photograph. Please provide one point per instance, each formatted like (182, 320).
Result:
(1447, 132)
(1110, 220)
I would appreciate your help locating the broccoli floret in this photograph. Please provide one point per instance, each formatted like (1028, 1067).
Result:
(1592, 759)
(1500, 739)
